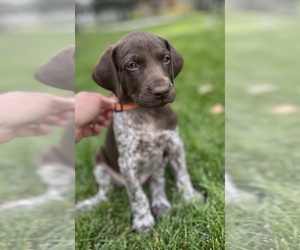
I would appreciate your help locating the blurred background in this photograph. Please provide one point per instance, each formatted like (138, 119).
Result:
(31, 31)
(97, 15)
(196, 30)
(35, 15)
(262, 123)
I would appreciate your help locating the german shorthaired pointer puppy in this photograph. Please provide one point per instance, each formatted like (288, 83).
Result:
(140, 70)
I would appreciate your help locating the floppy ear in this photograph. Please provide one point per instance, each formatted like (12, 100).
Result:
(105, 73)
(176, 60)
(58, 71)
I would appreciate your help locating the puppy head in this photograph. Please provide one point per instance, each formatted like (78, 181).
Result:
(140, 68)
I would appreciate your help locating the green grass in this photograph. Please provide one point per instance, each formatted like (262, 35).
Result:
(51, 227)
(262, 149)
(200, 39)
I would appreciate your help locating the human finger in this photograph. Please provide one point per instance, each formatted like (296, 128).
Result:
(107, 102)
(63, 103)
(91, 130)
(40, 129)
(102, 120)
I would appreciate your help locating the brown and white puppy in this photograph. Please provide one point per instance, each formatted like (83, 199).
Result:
(140, 142)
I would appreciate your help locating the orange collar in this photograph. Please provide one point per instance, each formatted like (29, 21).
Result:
(118, 107)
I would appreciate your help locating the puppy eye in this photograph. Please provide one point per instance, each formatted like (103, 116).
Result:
(167, 59)
(132, 66)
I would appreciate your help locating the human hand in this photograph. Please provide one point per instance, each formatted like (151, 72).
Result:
(24, 114)
(92, 112)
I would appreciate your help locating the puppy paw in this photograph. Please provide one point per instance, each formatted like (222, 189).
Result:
(89, 204)
(193, 196)
(160, 208)
(84, 205)
(143, 223)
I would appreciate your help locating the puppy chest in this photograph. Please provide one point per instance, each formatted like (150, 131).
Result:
(141, 144)
(143, 152)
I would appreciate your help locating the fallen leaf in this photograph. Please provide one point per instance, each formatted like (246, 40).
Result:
(217, 109)
(284, 109)
(261, 89)
(205, 89)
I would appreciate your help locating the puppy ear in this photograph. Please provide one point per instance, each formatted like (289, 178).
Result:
(176, 60)
(105, 73)
(58, 71)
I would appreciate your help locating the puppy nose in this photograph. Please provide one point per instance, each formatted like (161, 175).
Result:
(161, 92)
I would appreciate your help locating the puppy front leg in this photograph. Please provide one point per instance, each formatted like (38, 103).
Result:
(160, 204)
(142, 218)
(178, 164)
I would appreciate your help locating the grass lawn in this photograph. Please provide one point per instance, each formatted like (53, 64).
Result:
(51, 227)
(200, 39)
(262, 147)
